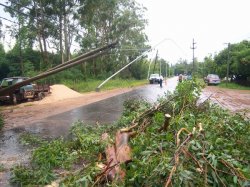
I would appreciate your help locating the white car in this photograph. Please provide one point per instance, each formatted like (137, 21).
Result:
(154, 78)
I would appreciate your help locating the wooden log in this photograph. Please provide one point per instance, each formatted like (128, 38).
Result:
(123, 150)
(114, 172)
(166, 123)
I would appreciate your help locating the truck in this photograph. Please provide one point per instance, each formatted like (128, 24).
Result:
(24, 93)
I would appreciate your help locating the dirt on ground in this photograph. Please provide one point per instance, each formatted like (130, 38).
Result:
(236, 101)
(63, 99)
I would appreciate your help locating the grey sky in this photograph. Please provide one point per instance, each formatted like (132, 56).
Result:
(210, 22)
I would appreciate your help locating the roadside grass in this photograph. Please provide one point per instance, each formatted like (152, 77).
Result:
(91, 85)
(232, 85)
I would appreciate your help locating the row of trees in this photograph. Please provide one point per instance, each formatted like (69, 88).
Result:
(46, 32)
(236, 55)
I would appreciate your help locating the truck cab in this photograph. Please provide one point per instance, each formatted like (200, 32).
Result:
(18, 94)
(29, 91)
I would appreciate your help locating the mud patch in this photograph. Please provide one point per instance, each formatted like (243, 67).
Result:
(237, 101)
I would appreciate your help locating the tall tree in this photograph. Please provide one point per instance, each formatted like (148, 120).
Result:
(107, 20)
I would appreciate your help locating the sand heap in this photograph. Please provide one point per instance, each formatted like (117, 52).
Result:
(59, 92)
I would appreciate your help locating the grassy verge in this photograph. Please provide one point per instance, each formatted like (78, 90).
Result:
(232, 85)
(91, 85)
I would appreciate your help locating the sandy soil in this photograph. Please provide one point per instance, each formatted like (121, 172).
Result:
(63, 99)
(60, 100)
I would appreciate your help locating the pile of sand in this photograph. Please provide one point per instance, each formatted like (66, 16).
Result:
(59, 92)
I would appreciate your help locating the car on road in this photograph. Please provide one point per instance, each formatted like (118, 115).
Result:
(212, 79)
(154, 78)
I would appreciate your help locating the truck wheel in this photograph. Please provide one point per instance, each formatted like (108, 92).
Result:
(14, 99)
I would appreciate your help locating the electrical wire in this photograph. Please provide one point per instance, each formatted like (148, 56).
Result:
(6, 6)
(8, 20)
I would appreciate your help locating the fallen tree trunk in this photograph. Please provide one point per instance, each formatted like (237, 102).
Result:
(123, 150)
(114, 172)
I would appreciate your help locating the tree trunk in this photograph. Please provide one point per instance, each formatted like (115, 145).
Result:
(42, 35)
(39, 33)
(65, 27)
(123, 150)
(61, 35)
(115, 172)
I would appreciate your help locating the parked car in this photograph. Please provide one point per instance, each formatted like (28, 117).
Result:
(212, 79)
(23, 93)
(154, 78)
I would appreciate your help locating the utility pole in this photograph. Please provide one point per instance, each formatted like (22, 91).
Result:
(20, 42)
(169, 70)
(166, 70)
(160, 67)
(193, 48)
(228, 58)
(149, 68)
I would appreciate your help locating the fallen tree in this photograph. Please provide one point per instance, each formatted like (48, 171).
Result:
(174, 142)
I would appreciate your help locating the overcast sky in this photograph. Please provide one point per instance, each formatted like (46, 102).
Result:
(210, 22)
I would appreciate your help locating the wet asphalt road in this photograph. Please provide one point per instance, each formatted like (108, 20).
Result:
(105, 112)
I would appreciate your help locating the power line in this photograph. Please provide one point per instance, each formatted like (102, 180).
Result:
(13, 9)
(8, 20)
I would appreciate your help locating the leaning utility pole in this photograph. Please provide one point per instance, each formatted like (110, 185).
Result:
(155, 60)
(193, 48)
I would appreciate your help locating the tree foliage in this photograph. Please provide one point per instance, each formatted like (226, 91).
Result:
(54, 27)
